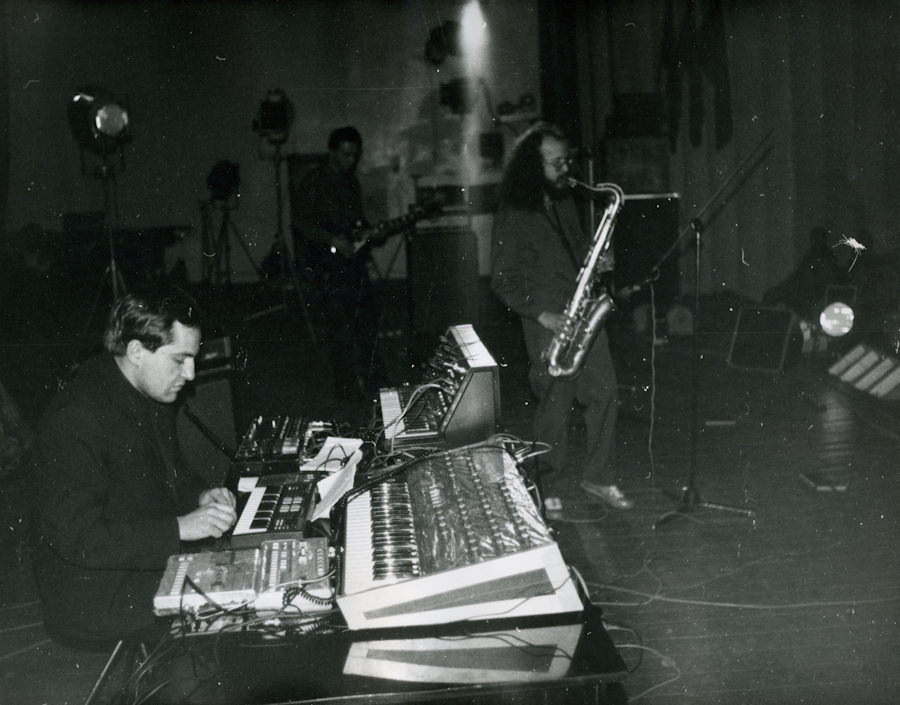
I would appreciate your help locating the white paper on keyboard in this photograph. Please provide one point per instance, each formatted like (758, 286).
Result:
(335, 486)
(247, 484)
(333, 454)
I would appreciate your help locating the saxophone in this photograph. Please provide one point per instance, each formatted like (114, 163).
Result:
(585, 312)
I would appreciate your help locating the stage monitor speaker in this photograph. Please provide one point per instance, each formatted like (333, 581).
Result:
(443, 272)
(646, 228)
(764, 339)
(211, 401)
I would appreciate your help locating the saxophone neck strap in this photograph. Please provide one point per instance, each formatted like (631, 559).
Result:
(555, 221)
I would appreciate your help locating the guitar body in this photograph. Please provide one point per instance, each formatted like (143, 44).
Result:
(363, 237)
(330, 270)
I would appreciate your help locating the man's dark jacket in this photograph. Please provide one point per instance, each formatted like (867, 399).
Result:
(109, 484)
(536, 256)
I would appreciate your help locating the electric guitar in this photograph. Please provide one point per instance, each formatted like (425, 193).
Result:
(361, 235)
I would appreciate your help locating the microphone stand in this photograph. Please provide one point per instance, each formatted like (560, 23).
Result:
(690, 498)
(756, 156)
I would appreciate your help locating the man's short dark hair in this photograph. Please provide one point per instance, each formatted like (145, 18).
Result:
(339, 135)
(148, 317)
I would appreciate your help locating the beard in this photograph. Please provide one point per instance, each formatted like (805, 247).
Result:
(557, 188)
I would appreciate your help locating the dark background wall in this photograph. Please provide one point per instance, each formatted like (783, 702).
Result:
(811, 80)
(194, 74)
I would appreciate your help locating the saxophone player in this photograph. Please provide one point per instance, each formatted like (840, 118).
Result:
(537, 250)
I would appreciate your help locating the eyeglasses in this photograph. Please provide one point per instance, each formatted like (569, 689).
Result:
(559, 163)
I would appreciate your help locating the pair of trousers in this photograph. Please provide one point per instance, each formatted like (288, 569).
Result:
(595, 389)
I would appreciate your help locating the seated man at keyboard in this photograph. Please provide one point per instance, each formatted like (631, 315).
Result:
(113, 494)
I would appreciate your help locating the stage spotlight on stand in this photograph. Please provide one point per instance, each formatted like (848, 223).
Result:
(99, 124)
(832, 330)
(224, 181)
(275, 117)
(273, 124)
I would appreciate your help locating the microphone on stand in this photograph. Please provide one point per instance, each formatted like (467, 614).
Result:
(626, 291)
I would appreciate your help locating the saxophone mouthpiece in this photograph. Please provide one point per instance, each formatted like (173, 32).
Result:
(573, 182)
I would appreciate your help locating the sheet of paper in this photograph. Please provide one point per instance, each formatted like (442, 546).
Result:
(247, 484)
(336, 485)
(332, 455)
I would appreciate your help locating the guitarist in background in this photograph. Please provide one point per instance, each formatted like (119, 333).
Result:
(326, 209)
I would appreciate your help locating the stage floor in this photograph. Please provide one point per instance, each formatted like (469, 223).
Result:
(797, 603)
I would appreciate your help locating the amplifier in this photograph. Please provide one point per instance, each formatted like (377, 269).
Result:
(215, 356)
(765, 339)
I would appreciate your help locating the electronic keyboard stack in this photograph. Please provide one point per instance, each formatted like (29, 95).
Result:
(277, 443)
(457, 400)
(443, 531)
(451, 536)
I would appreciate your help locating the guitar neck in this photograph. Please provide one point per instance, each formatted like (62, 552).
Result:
(388, 227)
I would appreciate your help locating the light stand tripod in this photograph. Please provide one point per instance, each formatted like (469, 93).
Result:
(276, 113)
(217, 268)
(278, 261)
(106, 173)
(100, 125)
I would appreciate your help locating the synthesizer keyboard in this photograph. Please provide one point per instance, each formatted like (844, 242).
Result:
(455, 537)
(419, 421)
(279, 510)
(456, 402)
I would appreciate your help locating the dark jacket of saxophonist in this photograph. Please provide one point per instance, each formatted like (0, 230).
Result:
(536, 258)
(537, 251)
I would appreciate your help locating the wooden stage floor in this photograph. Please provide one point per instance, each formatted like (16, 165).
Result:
(798, 603)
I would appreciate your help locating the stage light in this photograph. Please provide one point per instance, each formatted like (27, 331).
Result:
(836, 319)
(275, 117)
(98, 121)
(474, 29)
(443, 41)
(100, 125)
(223, 181)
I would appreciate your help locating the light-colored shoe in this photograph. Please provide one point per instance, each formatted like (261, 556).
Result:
(609, 494)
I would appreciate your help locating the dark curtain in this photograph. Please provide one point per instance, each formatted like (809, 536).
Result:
(559, 64)
(817, 76)
(4, 119)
